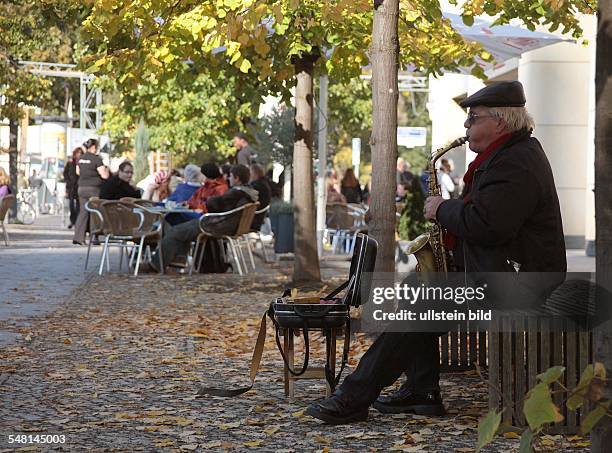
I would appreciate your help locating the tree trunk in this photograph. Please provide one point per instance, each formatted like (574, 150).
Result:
(384, 57)
(306, 262)
(602, 434)
(13, 141)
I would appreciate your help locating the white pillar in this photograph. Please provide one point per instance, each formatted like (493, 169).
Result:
(589, 233)
(556, 81)
(356, 155)
(322, 170)
(287, 185)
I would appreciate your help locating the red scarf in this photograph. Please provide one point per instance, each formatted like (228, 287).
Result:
(480, 158)
(450, 240)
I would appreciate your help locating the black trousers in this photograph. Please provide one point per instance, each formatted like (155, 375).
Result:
(393, 353)
(75, 207)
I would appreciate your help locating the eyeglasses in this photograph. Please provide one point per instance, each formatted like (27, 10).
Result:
(128, 172)
(472, 117)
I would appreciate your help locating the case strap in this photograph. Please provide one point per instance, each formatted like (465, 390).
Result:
(258, 352)
(255, 362)
(306, 349)
(332, 380)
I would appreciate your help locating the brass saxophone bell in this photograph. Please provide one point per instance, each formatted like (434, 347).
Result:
(417, 244)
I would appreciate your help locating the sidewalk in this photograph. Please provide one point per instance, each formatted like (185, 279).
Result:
(118, 365)
(39, 270)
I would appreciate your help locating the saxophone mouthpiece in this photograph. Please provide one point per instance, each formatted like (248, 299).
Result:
(460, 141)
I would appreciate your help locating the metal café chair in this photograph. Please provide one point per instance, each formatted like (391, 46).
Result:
(138, 201)
(96, 223)
(246, 212)
(127, 227)
(153, 221)
(5, 204)
(256, 236)
(339, 225)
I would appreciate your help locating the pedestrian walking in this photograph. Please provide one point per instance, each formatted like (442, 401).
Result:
(71, 178)
(92, 172)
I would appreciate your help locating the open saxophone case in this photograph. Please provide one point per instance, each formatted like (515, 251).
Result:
(328, 313)
(306, 314)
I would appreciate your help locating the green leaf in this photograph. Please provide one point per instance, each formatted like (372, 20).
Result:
(599, 370)
(577, 399)
(232, 4)
(468, 19)
(412, 15)
(593, 417)
(526, 440)
(487, 427)
(235, 57)
(539, 408)
(551, 375)
(245, 66)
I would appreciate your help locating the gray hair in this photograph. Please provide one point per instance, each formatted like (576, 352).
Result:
(516, 118)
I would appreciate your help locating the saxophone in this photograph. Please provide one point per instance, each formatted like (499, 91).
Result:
(428, 248)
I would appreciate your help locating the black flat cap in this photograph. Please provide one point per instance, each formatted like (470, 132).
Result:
(498, 94)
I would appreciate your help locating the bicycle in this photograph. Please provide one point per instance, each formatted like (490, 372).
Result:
(26, 213)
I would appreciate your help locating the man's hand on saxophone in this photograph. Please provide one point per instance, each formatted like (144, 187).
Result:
(431, 207)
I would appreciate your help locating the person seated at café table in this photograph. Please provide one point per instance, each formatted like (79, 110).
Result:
(118, 185)
(259, 182)
(177, 239)
(185, 190)
(214, 184)
(159, 190)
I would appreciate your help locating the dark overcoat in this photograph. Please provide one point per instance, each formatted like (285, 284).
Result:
(511, 217)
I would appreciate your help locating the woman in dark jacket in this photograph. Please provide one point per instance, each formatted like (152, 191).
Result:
(350, 188)
(72, 185)
(118, 186)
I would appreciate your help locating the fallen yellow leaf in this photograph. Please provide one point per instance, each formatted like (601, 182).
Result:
(511, 435)
(271, 430)
(229, 425)
(322, 439)
(163, 442)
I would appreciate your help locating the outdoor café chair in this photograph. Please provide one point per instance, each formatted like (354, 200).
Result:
(153, 220)
(96, 223)
(5, 204)
(138, 201)
(247, 213)
(127, 227)
(257, 237)
(343, 223)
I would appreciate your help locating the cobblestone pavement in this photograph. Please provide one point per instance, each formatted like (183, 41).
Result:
(116, 368)
(39, 270)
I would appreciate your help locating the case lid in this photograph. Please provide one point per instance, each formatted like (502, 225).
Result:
(359, 283)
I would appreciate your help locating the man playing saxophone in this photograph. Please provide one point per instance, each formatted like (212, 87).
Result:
(507, 219)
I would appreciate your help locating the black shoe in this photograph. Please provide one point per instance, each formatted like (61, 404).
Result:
(70, 226)
(337, 410)
(77, 242)
(404, 400)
